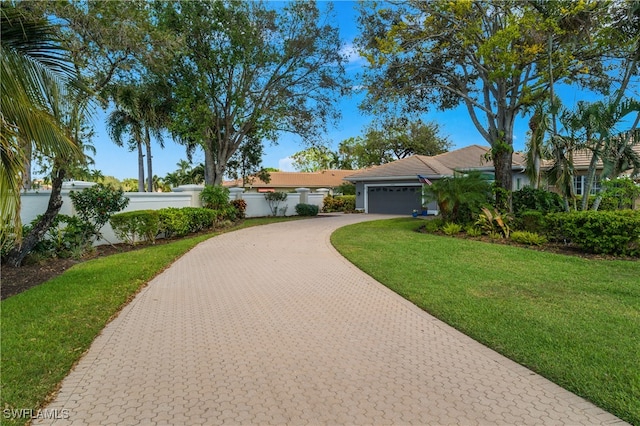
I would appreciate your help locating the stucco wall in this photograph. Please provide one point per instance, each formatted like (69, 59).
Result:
(35, 203)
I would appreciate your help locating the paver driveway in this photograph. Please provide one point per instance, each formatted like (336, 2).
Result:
(270, 325)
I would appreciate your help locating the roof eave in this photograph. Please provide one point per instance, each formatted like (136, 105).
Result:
(383, 178)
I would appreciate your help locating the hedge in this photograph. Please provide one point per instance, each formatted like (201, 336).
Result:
(340, 203)
(133, 227)
(146, 225)
(603, 232)
(306, 209)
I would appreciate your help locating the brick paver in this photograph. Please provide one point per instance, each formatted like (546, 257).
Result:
(270, 325)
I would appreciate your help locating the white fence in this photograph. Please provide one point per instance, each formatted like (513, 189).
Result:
(35, 203)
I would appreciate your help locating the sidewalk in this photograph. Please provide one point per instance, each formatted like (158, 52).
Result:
(270, 325)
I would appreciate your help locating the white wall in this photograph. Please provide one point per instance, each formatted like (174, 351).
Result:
(35, 203)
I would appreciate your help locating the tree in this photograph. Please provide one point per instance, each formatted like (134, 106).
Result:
(393, 139)
(246, 163)
(491, 57)
(127, 119)
(36, 81)
(142, 111)
(246, 70)
(536, 147)
(459, 197)
(103, 39)
(314, 159)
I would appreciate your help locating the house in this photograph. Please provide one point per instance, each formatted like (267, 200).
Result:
(581, 163)
(394, 188)
(289, 181)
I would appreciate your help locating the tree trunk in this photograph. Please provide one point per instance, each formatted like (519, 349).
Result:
(17, 254)
(502, 165)
(591, 174)
(149, 161)
(27, 181)
(536, 168)
(209, 164)
(140, 168)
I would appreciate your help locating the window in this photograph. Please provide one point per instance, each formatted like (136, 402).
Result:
(579, 183)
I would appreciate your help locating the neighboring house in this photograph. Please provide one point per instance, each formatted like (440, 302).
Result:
(289, 181)
(394, 188)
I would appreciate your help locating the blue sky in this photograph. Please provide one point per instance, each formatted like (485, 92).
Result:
(456, 124)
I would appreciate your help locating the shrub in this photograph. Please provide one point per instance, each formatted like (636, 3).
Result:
(494, 224)
(241, 208)
(94, 206)
(348, 202)
(227, 214)
(459, 197)
(605, 232)
(174, 222)
(473, 231)
(433, 225)
(339, 203)
(199, 218)
(274, 199)
(135, 226)
(215, 197)
(529, 238)
(540, 200)
(620, 193)
(531, 221)
(306, 209)
(67, 237)
(451, 228)
(332, 204)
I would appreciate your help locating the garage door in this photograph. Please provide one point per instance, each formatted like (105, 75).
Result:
(394, 199)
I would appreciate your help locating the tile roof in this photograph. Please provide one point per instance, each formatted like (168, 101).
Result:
(582, 159)
(469, 157)
(321, 179)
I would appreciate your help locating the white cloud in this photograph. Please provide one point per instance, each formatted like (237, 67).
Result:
(286, 164)
(351, 53)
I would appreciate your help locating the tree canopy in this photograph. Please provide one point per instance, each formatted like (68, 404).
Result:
(494, 58)
(249, 70)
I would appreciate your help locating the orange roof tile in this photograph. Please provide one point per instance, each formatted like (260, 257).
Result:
(321, 179)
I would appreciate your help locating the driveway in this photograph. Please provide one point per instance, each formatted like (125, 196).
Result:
(270, 325)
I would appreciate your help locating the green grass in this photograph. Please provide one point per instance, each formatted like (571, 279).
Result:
(575, 321)
(46, 329)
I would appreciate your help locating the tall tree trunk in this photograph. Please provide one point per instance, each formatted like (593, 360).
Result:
(27, 181)
(209, 164)
(140, 168)
(17, 254)
(503, 175)
(591, 174)
(149, 161)
(536, 168)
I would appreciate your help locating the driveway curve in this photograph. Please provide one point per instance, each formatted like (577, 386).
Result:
(270, 325)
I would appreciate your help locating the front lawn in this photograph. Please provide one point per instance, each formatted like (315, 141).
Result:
(46, 329)
(575, 321)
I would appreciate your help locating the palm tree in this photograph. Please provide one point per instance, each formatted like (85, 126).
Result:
(539, 125)
(459, 197)
(126, 119)
(141, 113)
(35, 80)
(561, 172)
(619, 156)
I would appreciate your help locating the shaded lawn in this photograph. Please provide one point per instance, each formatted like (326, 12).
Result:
(575, 321)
